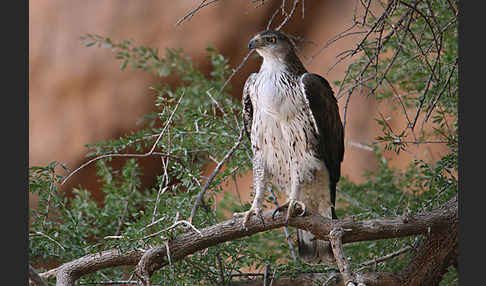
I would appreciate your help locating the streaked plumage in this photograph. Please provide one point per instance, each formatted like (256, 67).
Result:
(292, 119)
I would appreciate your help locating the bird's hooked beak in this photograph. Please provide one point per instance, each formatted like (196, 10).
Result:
(255, 43)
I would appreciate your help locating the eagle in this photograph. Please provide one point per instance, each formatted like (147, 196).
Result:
(292, 119)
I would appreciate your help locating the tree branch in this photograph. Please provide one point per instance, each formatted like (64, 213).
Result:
(439, 250)
(335, 237)
(200, 196)
(69, 272)
(188, 243)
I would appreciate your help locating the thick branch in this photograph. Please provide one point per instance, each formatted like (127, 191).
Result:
(68, 273)
(191, 242)
(335, 237)
(439, 250)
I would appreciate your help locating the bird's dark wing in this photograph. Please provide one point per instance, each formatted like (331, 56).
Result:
(325, 111)
(247, 105)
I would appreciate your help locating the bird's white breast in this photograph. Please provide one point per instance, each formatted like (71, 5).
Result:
(273, 98)
(283, 130)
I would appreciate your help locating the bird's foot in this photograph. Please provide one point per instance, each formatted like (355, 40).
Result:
(246, 215)
(291, 205)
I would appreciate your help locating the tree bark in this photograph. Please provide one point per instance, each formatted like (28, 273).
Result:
(439, 250)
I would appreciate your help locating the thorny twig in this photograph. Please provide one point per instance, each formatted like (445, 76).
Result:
(339, 36)
(152, 223)
(48, 203)
(164, 181)
(214, 173)
(431, 108)
(236, 70)
(37, 233)
(216, 102)
(149, 153)
(174, 225)
(186, 223)
(272, 18)
(191, 13)
(383, 258)
(373, 53)
(289, 15)
(360, 48)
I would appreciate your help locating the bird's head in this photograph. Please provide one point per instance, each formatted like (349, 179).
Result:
(271, 44)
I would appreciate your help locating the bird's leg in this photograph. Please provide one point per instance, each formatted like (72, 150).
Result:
(259, 186)
(292, 201)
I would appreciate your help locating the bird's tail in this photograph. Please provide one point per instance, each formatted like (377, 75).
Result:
(312, 250)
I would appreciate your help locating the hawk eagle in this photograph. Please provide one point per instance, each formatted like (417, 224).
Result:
(292, 119)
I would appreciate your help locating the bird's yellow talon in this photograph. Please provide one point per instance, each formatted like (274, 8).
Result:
(290, 205)
(246, 215)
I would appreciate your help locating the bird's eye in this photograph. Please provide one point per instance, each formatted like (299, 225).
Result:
(272, 39)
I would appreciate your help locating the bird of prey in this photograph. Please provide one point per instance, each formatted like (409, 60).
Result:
(297, 138)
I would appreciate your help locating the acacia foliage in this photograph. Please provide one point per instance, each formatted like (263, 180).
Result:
(201, 121)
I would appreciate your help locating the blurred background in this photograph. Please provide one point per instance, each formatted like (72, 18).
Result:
(79, 95)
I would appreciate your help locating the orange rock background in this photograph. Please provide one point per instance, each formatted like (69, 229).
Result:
(79, 95)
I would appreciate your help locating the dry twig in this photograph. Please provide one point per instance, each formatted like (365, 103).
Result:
(149, 153)
(191, 13)
(216, 170)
